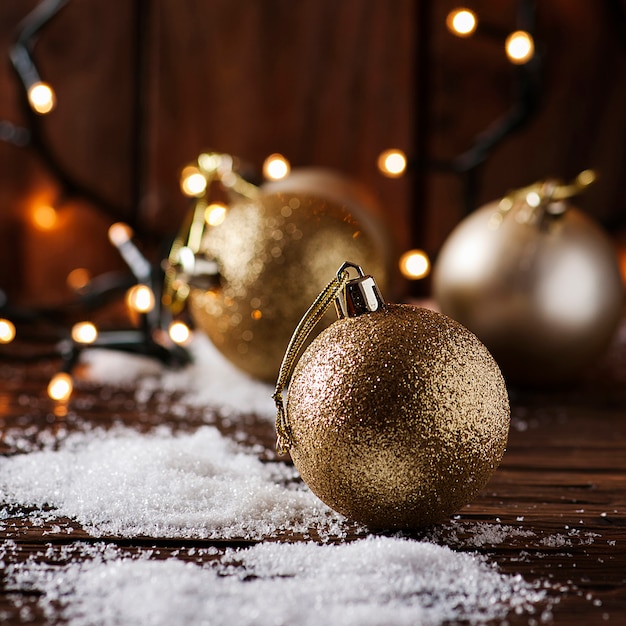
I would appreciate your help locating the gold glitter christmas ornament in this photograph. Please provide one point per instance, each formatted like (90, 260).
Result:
(327, 183)
(537, 281)
(262, 249)
(395, 416)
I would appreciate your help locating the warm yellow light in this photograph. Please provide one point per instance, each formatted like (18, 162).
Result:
(119, 233)
(215, 214)
(44, 217)
(7, 331)
(84, 332)
(519, 47)
(276, 166)
(392, 163)
(60, 387)
(414, 264)
(78, 278)
(533, 199)
(140, 299)
(179, 332)
(461, 22)
(41, 98)
(192, 181)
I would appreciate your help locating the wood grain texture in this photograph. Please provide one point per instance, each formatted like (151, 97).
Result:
(327, 83)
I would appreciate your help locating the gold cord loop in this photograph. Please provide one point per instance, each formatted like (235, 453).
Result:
(301, 333)
(547, 191)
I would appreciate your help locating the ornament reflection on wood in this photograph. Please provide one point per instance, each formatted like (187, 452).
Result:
(537, 281)
(265, 243)
(395, 416)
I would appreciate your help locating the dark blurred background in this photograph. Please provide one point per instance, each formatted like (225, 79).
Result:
(143, 87)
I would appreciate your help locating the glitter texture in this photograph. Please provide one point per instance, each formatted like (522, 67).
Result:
(275, 254)
(398, 417)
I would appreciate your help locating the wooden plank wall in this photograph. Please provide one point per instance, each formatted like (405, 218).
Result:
(324, 82)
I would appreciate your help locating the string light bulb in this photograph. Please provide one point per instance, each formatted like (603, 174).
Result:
(179, 332)
(215, 214)
(276, 167)
(193, 182)
(7, 331)
(462, 22)
(392, 163)
(520, 47)
(119, 233)
(140, 299)
(60, 387)
(78, 278)
(414, 264)
(44, 217)
(41, 98)
(84, 333)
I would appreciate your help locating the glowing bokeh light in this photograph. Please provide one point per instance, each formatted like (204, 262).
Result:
(7, 331)
(193, 183)
(533, 199)
(44, 217)
(84, 332)
(60, 387)
(414, 264)
(461, 22)
(41, 98)
(215, 214)
(179, 332)
(140, 299)
(78, 278)
(520, 47)
(276, 166)
(119, 233)
(392, 163)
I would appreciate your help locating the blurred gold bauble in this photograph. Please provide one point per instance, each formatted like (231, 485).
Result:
(537, 281)
(264, 248)
(398, 417)
(326, 183)
(336, 187)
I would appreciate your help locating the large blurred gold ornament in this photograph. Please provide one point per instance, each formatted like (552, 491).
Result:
(335, 187)
(242, 278)
(537, 281)
(326, 183)
(395, 416)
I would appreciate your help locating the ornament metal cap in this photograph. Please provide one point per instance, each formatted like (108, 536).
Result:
(360, 295)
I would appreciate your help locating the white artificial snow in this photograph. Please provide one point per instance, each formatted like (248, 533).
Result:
(371, 582)
(209, 381)
(202, 485)
(122, 483)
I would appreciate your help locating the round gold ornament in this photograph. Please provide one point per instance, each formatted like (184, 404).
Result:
(327, 183)
(537, 281)
(262, 248)
(396, 416)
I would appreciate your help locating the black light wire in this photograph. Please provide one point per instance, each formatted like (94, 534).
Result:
(143, 340)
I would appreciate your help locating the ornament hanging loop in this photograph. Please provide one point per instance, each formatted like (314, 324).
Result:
(546, 198)
(352, 297)
(310, 319)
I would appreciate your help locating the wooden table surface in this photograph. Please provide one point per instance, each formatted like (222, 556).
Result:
(562, 485)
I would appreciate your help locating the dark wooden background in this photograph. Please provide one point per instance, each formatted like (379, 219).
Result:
(144, 86)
